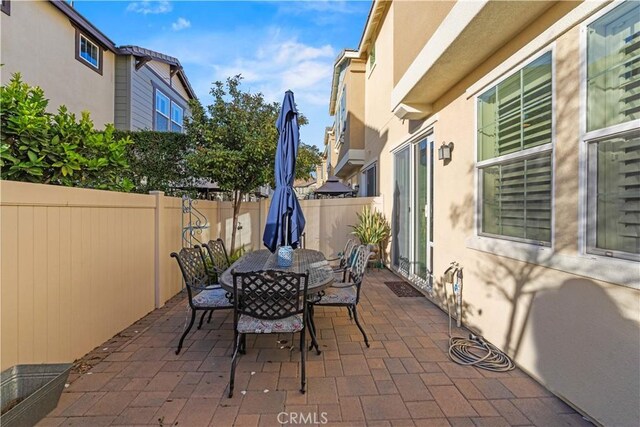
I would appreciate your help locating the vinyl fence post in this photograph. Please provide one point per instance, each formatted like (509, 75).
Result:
(159, 243)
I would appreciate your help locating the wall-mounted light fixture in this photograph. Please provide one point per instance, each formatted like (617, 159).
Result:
(444, 152)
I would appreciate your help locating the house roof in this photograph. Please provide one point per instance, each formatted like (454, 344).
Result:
(301, 183)
(87, 27)
(83, 23)
(141, 52)
(376, 13)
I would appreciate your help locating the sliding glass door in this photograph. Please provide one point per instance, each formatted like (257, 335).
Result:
(412, 232)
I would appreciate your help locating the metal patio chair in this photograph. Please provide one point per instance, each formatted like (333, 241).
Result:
(216, 261)
(342, 270)
(202, 294)
(340, 255)
(269, 302)
(346, 294)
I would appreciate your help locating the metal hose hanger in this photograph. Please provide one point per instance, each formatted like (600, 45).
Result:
(472, 351)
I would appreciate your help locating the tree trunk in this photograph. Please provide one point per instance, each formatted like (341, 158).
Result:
(237, 201)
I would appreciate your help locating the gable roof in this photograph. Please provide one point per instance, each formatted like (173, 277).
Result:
(83, 24)
(148, 54)
(87, 27)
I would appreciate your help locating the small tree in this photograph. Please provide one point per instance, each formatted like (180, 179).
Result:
(235, 142)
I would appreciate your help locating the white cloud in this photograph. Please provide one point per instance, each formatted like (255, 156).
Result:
(148, 7)
(269, 62)
(181, 24)
(325, 6)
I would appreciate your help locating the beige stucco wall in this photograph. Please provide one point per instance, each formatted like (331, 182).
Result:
(414, 23)
(577, 335)
(39, 42)
(354, 82)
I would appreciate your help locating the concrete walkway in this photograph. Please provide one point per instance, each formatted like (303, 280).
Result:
(404, 379)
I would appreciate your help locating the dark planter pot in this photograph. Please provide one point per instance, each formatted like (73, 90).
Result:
(30, 392)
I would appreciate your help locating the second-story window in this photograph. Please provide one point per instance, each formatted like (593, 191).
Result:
(88, 52)
(176, 117)
(342, 115)
(163, 104)
(169, 115)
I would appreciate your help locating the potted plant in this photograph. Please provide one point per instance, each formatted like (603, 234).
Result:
(373, 230)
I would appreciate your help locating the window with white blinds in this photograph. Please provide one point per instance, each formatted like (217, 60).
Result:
(613, 111)
(515, 122)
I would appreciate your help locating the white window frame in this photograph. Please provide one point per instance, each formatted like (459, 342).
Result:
(612, 270)
(588, 142)
(89, 42)
(521, 155)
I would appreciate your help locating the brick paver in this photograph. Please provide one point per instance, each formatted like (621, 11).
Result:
(404, 379)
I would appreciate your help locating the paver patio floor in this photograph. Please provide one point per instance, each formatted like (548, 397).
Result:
(404, 379)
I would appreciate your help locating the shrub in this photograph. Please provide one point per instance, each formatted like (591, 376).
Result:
(40, 147)
(157, 160)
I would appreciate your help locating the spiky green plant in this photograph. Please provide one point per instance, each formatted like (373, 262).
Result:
(373, 229)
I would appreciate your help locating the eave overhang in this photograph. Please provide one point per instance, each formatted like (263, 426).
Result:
(461, 43)
(352, 160)
(374, 19)
(83, 24)
(345, 55)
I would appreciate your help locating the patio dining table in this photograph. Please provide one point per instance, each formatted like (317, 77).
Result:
(320, 272)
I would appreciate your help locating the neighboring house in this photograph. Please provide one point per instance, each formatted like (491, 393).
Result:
(79, 66)
(304, 187)
(538, 199)
(347, 106)
(150, 82)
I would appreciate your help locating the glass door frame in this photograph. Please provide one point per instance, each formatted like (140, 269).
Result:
(413, 146)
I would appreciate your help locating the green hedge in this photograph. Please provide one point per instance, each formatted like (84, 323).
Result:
(41, 147)
(157, 160)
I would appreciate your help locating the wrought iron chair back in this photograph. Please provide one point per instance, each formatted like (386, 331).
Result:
(346, 253)
(270, 295)
(218, 256)
(218, 253)
(359, 266)
(194, 271)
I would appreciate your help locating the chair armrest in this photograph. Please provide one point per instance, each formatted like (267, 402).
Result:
(342, 285)
(205, 287)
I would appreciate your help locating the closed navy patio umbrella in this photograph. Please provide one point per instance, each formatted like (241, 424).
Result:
(285, 221)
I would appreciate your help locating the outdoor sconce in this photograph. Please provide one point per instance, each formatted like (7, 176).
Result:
(444, 152)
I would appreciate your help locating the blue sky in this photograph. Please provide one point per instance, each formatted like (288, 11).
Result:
(275, 45)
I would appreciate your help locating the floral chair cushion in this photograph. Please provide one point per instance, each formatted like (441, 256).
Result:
(212, 298)
(339, 295)
(251, 325)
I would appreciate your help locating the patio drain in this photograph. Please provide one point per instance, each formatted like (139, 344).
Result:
(403, 289)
